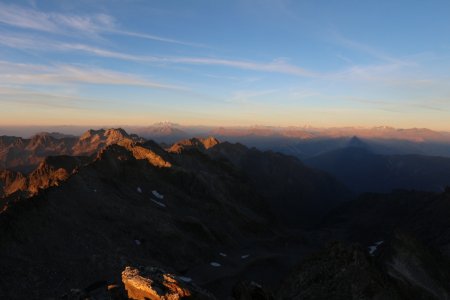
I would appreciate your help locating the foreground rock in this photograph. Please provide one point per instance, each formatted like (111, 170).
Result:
(155, 284)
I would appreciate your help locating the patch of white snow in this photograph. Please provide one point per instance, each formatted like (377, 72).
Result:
(158, 203)
(185, 279)
(374, 247)
(157, 195)
(215, 264)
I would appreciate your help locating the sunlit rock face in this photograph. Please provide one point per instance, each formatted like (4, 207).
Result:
(155, 284)
(201, 144)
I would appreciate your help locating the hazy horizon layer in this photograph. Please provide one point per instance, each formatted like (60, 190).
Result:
(179, 130)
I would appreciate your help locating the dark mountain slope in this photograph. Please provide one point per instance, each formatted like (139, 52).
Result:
(406, 239)
(296, 193)
(123, 209)
(403, 269)
(364, 171)
(375, 217)
(217, 214)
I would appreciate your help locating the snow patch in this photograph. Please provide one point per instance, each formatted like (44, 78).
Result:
(215, 264)
(139, 190)
(374, 247)
(185, 279)
(158, 203)
(157, 195)
(223, 254)
(245, 256)
(137, 242)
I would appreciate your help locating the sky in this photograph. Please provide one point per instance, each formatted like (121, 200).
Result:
(246, 62)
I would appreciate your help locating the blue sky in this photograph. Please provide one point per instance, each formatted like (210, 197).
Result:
(266, 62)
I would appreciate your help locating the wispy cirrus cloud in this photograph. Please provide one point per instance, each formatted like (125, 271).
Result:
(368, 50)
(92, 24)
(404, 105)
(31, 74)
(275, 66)
(29, 18)
(19, 95)
(392, 72)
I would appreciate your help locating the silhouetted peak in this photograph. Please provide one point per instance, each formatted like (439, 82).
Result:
(356, 142)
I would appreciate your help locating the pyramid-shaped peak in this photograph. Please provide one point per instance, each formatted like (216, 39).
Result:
(356, 142)
(209, 142)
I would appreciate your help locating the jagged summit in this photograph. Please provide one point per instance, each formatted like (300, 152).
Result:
(93, 140)
(201, 144)
(166, 124)
(90, 133)
(115, 133)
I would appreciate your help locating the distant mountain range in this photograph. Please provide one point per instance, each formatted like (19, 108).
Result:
(306, 142)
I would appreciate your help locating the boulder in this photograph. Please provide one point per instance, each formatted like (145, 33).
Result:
(155, 284)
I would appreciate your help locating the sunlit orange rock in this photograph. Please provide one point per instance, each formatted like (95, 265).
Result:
(155, 284)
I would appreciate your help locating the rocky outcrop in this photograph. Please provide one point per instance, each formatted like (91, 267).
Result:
(201, 144)
(155, 284)
(50, 172)
(147, 153)
(11, 181)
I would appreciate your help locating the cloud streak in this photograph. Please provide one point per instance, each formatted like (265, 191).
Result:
(363, 48)
(22, 96)
(275, 66)
(391, 72)
(29, 74)
(91, 25)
